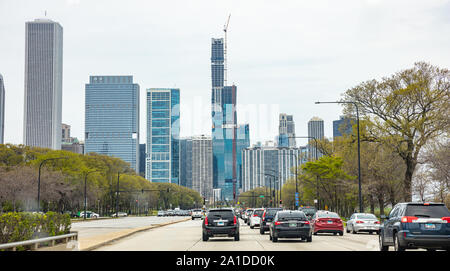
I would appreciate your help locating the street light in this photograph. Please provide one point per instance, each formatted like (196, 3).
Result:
(39, 179)
(85, 191)
(359, 150)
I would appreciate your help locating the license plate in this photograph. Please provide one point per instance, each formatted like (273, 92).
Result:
(430, 226)
(292, 224)
(330, 222)
(220, 223)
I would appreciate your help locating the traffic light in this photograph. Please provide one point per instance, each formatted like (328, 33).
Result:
(281, 202)
(204, 201)
(234, 195)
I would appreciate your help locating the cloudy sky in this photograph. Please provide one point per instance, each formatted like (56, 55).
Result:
(283, 55)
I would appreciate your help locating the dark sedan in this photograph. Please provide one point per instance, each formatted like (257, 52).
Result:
(290, 224)
(220, 223)
(267, 218)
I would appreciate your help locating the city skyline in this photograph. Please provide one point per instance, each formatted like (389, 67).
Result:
(246, 66)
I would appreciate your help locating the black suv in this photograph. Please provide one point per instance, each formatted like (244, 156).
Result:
(267, 217)
(416, 225)
(220, 222)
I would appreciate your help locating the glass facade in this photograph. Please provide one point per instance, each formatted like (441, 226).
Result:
(342, 126)
(112, 118)
(163, 135)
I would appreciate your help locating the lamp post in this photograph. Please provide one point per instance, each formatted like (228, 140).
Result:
(85, 191)
(39, 179)
(315, 156)
(359, 150)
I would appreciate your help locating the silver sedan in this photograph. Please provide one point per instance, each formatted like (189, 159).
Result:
(362, 222)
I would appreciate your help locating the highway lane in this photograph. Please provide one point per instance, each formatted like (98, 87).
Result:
(186, 236)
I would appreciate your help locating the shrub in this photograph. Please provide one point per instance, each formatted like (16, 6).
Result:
(15, 227)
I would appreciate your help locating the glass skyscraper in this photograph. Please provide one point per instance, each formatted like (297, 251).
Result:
(43, 84)
(228, 139)
(112, 118)
(163, 135)
(316, 130)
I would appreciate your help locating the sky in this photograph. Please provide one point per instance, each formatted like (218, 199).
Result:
(282, 55)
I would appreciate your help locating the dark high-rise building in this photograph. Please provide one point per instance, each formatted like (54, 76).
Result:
(43, 84)
(226, 147)
(342, 126)
(142, 157)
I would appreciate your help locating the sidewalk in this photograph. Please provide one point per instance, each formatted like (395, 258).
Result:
(94, 235)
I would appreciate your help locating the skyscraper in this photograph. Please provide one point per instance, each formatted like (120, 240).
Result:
(112, 118)
(196, 164)
(2, 111)
(316, 130)
(286, 131)
(43, 84)
(342, 126)
(163, 135)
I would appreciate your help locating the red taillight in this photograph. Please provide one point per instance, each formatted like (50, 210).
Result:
(255, 215)
(446, 218)
(264, 215)
(206, 220)
(306, 222)
(277, 223)
(234, 220)
(377, 222)
(359, 221)
(409, 219)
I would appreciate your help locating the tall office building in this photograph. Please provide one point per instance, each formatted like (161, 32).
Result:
(342, 126)
(43, 84)
(163, 135)
(142, 157)
(112, 118)
(2, 110)
(269, 166)
(196, 165)
(65, 132)
(316, 130)
(227, 148)
(286, 131)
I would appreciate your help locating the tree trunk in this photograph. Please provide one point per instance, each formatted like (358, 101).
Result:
(381, 204)
(410, 167)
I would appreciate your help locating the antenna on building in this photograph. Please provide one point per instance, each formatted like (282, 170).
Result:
(225, 28)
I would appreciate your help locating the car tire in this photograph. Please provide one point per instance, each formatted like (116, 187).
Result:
(309, 239)
(252, 227)
(193, 218)
(270, 237)
(370, 232)
(236, 237)
(347, 230)
(261, 231)
(274, 239)
(353, 231)
(334, 233)
(341, 233)
(397, 246)
(205, 237)
(315, 233)
(381, 242)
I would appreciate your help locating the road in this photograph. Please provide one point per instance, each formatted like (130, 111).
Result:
(186, 236)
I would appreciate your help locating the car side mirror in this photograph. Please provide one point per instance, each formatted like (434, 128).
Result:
(384, 217)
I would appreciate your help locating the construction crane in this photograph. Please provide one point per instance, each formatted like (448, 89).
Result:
(225, 28)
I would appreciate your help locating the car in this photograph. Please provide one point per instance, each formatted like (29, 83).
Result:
(416, 225)
(255, 218)
(244, 215)
(267, 218)
(196, 213)
(249, 214)
(170, 212)
(290, 224)
(220, 222)
(327, 222)
(161, 213)
(89, 214)
(363, 222)
(121, 214)
(308, 210)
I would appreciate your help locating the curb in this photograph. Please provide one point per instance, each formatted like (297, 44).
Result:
(131, 233)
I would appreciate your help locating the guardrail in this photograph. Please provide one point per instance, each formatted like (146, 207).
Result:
(36, 242)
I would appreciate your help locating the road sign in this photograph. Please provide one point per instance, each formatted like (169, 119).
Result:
(261, 196)
(296, 203)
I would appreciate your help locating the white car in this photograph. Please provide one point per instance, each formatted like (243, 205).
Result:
(361, 222)
(255, 218)
(89, 214)
(120, 214)
(196, 213)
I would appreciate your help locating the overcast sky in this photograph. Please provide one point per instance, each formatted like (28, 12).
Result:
(282, 55)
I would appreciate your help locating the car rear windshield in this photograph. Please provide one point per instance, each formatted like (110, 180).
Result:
(291, 216)
(272, 212)
(196, 210)
(369, 216)
(308, 211)
(434, 211)
(258, 212)
(327, 215)
(224, 214)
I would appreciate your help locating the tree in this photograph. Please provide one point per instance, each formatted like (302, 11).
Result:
(405, 111)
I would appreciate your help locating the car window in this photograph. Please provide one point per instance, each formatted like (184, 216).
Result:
(220, 214)
(259, 212)
(434, 211)
(328, 215)
(291, 216)
(394, 211)
(366, 216)
(271, 212)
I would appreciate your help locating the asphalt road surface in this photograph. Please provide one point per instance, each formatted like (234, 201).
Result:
(186, 236)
